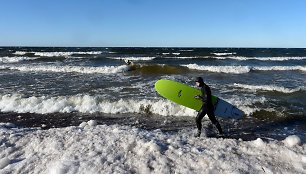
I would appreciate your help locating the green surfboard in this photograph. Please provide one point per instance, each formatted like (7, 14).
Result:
(183, 94)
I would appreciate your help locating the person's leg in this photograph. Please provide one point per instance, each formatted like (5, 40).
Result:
(198, 119)
(214, 121)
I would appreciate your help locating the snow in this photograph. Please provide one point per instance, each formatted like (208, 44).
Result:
(292, 140)
(91, 148)
(259, 142)
(92, 123)
(4, 162)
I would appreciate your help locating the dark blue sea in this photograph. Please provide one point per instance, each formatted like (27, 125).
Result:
(57, 87)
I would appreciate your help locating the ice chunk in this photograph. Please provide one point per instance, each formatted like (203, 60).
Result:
(83, 124)
(292, 140)
(92, 123)
(258, 142)
(4, 162)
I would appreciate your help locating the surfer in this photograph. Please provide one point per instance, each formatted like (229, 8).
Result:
(131, 65)
(207, 107)
(128, 62)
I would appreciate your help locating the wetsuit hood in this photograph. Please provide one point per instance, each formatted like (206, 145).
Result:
(200, 80)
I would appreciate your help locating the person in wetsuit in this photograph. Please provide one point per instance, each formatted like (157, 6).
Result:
(131, 65)
(207, 107)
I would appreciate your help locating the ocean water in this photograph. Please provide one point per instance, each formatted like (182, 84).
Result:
(57, 87)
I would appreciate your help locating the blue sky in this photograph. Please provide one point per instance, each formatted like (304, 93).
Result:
(146, 23)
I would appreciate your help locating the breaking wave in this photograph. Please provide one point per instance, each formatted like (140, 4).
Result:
(15, 59)
(133, 58)
(95, 104)
(69, 69)
(58, 54)
(223, 54)
(220, 69)
(268, 88)
(279, 68)
(243, 69)
(89, 104)
(263, 58)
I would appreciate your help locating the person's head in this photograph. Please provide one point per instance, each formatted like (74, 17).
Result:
(199, 81)
(128, 62)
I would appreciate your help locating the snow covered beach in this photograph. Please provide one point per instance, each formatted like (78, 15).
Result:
(91, 148)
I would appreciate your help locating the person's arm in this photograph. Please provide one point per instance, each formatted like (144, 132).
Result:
(202, 97)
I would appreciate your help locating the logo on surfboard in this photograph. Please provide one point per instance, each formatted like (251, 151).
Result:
(179, 94)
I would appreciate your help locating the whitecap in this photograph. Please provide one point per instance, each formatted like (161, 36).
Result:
(223, 54)
(220, 69)
(268, 88)
(69, 69)
(15, 59)
(133, 58)
(89, 104)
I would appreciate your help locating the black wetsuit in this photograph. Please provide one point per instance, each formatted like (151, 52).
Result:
(207, 108)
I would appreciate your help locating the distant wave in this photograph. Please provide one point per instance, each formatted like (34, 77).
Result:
(243, 69)
(269, 88)
(185, 57)
(262, 58)
(58, 54)
(241, 58)
(223, 54)
(21, 53)
(133, 58)
(15, 59)
(279, 68)
(69, 69)
(171, 53)
(186, 50)
(220, 69)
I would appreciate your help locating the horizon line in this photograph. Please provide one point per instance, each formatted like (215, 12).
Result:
(153, 47)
